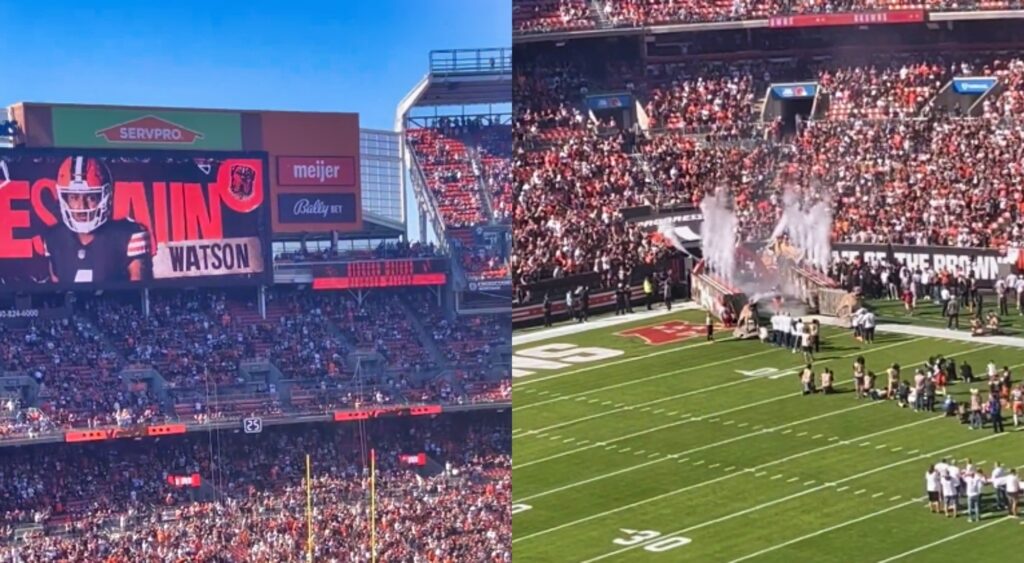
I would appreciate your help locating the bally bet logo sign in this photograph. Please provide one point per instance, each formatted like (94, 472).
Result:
(149, 129)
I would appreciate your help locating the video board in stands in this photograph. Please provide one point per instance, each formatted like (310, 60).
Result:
(380, 273)
(107, 219)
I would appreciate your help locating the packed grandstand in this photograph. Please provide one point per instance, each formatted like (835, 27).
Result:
(605, 125)
(539, 16)
(174, 419)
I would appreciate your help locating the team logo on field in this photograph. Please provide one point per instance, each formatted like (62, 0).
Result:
(664, 333)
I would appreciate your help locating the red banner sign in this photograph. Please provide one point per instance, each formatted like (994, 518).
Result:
(181, 481)
(413, 459)
(862, 18)
(316, 171)
(166, 430)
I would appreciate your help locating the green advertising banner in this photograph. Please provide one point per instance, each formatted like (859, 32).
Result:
(146, 129)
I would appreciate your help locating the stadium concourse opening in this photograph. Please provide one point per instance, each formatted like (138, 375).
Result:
(775, 199)
(227, 298)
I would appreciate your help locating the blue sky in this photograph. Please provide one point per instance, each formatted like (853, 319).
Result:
(348, 55)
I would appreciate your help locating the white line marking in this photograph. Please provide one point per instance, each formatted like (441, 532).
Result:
(787, 431)
(567, 440)
(655, 454)
(760, 474)
(742, 425)
(841, 489)
(898, 497)
(879, 446)
(793, 480)
(673, 413)
(670, 425)
(774, 477)
(896, 449)
(728, 422)
(624, 450)
(816, 436)
(712, 481)
(912, 452)
(730, 468)
(692, 450)
(801, 434)
(820, 532)
(634, 359)
(945, 539)
(790, 497)
(811, 482)
(640, 452)
(700, 462)
(659, 411)
(861, 491)
(714, 465)
(876, 495)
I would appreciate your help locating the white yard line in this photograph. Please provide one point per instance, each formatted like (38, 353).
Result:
(796, 495)
(673, 397)
(689, 451)
(712, 481)
(946, 539)
(823, 531)
(643, 379)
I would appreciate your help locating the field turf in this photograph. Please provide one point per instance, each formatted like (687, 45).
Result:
(671, 453)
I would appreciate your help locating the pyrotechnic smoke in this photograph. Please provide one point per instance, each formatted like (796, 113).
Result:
(718, 236)
(809, 231)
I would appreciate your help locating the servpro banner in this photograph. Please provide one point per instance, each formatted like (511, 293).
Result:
(146, 128)
(114, 219)
(986, 263)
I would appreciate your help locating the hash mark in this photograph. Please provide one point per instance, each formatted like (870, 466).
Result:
(793, 480)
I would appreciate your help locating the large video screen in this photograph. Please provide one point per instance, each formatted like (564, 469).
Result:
(96, 219)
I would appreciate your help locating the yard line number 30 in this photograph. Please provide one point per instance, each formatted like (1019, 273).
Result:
(637, 537)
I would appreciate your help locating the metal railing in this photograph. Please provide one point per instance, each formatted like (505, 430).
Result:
(471, 61)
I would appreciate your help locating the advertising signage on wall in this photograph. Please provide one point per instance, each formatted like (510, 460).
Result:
(315, 171)
(309, 153)
(987, 264)
(316, 208)
(116, 219)
(380, 273)
(146, 128)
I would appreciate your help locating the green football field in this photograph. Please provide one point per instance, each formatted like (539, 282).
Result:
(692, 451)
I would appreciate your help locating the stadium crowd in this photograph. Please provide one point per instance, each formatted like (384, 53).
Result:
(113, 503)
(935, 179)
(92, 369)
(539, 16)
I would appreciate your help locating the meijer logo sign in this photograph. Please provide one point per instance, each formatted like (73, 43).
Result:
(316, 171)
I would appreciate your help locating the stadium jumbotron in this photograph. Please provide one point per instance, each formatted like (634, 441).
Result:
(769, 281)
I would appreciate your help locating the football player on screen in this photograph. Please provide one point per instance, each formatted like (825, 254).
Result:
(89, 246)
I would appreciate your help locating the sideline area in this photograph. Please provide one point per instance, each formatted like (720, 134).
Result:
(605, 321)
